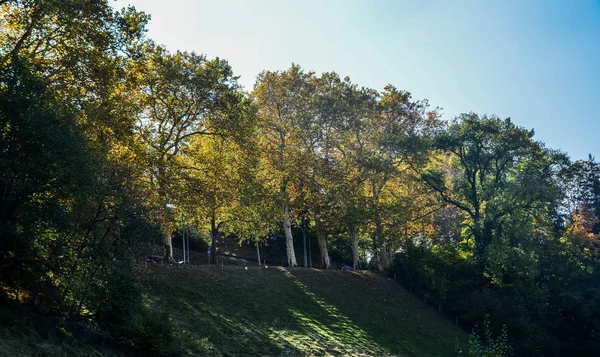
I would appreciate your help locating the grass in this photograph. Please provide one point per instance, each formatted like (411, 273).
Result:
(278, 311)
(275, 311)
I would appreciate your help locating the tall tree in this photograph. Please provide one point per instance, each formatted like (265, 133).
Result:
(184, 96)
(61, 91)
(283, 101)
(386, 143)
(320, 140)
(216, 172)
(83, 49)
(501, 171)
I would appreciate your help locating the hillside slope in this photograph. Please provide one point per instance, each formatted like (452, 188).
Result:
(278, 311)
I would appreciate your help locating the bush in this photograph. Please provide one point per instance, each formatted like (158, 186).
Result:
(153, 333)
(488, 345)
(121, 314)
(119, 303)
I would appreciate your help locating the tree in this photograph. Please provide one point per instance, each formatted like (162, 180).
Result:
(184, 96)
(348, 108)
(283, 102)
(253, 216)
(583, 186)
(501, 171)
(69, 181)
(35, 182)
(320, 143)
(387, 143)
(83, 48)
(217, 171)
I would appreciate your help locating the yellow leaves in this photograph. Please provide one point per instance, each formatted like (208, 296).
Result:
(580, 230)
(119, 152)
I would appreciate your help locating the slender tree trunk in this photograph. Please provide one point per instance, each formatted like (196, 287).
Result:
(165, 223)
(214, 233)
(188, 246)
(258, 253)
(355, 257)
(383, 257)
(165, 226)
(289, 239)
(310, 261)
(183, 241)
(382, 251)
(304, 243)
(168, 244)
(321, 237)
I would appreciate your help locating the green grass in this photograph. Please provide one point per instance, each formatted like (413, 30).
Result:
(260, 312)
(295, 312)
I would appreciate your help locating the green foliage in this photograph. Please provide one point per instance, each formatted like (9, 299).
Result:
(500, 172)
(122, 314)
(41, 187)
(488, 345)
(119, 302)
(153, 333)
(71, 212)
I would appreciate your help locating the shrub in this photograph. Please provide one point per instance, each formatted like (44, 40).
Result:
(119, 304)
(487, 345)
(153, 333)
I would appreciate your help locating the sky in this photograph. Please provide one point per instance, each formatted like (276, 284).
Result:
(535, 61)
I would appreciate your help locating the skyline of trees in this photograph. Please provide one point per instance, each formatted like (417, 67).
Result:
(109, 141)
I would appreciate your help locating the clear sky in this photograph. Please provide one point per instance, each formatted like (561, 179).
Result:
(536, 61)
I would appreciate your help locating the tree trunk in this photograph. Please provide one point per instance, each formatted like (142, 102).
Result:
(258, 253)
(168, 245)
(289, 239)
(310, 261)
(304, 243)
(214, 233)
(383, 257)
(321, 236)
(165, 218)
(382, 251)
(355, 257)
(183, 241)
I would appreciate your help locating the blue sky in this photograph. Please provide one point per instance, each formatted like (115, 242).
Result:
(535, 61)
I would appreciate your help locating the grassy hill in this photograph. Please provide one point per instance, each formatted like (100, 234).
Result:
(278, 311)
(274, 311)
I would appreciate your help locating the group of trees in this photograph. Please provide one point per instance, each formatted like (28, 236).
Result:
(108, 140)
(517, 239)
(338, 158)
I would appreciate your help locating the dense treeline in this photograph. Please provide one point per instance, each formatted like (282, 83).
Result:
(109, 142)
